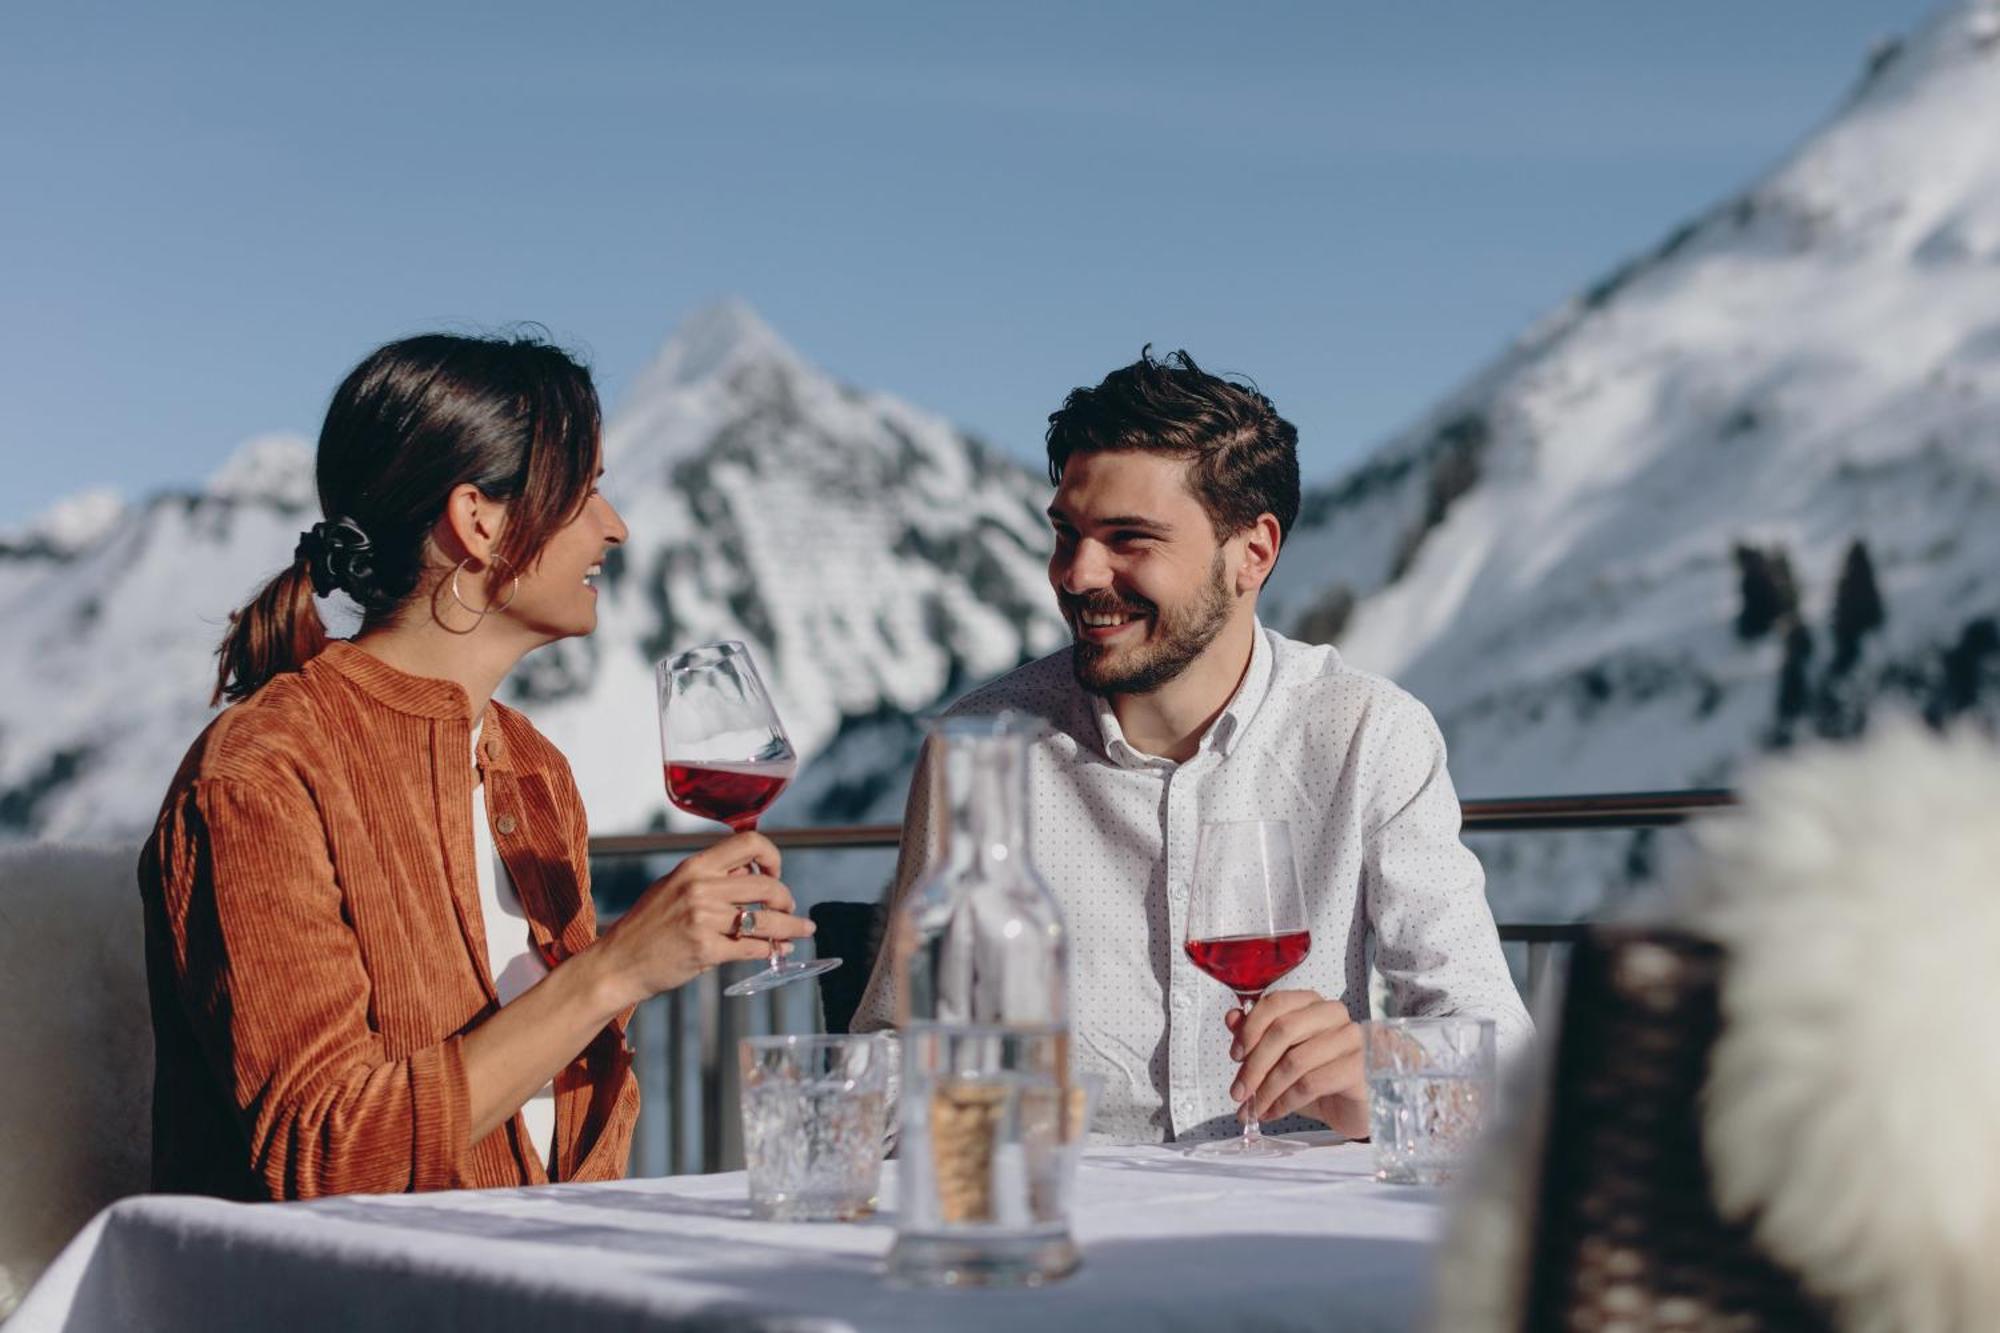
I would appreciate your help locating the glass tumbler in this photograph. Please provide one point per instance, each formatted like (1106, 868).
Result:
(1430, 1082)
(813, 1115)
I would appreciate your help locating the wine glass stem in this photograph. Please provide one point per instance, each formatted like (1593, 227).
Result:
(750, 826)
(1251, 1134)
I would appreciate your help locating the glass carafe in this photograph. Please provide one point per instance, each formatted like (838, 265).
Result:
(989, 1115)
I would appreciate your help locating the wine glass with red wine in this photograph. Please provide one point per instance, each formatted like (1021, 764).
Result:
(1246, 927)
(727, 757)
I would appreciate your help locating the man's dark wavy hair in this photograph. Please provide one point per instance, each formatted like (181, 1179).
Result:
(1243, 458)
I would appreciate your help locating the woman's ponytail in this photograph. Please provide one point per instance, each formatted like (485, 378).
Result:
(279, 631)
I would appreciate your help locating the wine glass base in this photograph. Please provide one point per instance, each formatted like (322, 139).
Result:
(1236, 1149)
(780, 975)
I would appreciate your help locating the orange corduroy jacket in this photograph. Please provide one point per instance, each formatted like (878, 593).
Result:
(315, 950)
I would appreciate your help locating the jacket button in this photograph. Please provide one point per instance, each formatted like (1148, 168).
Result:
(505, 824)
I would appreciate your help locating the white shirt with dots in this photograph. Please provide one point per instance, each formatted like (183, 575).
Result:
(1357, 767)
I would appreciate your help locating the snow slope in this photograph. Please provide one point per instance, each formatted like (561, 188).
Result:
(1554, 558)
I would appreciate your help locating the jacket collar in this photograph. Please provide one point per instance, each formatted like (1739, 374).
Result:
(417, 696)
(501, 722)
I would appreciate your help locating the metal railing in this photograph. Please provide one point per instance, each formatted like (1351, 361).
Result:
(1511, 814)
(685, 1040)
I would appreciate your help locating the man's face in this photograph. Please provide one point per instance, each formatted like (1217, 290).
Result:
(1137, 570)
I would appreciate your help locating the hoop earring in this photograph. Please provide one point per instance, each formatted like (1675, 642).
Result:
(513, 587)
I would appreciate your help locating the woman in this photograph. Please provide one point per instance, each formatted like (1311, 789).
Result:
(373, 960)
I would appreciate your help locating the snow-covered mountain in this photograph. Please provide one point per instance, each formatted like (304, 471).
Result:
(1739, 493)
(876, 558)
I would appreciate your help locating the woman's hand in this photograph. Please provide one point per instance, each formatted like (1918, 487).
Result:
(680, 927)
(685, 924)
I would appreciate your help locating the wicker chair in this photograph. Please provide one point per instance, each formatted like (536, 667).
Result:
(1625, 1235)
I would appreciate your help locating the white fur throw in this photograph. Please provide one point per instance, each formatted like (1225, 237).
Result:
(1853, 1103)
(76, 1048)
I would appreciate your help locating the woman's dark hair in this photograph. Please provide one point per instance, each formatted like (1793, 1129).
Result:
(1243, 457)
(516, 417)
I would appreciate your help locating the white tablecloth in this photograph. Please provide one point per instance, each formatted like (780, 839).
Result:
(1170, 1242)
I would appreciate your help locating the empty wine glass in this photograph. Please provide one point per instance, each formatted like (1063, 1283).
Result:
(726, 758)
(1246, 927)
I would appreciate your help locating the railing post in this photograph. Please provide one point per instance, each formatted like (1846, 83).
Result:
(650, 1038)
(1538, 968)
(680, 1074)
(732, 1019)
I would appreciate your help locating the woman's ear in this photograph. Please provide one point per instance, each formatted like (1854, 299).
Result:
(469, 528)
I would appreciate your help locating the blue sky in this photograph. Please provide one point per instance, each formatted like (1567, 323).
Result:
(209, 212)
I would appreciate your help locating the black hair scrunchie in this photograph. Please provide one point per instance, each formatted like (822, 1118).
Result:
(337, 555)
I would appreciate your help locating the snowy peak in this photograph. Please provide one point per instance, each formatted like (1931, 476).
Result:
(276, 469)
(721, 362)
(1907, 167)
(727, 395)
(874, 556)
(1959, 36)
(714, 343)
(69, 526)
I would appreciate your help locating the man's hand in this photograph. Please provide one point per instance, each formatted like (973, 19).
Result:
(1301, 1053)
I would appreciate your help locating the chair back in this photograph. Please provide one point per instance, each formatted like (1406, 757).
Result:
(851, 932)
(1626, 1236)
(76, 1047)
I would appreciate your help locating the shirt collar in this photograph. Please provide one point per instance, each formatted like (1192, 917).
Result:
(1222, 733)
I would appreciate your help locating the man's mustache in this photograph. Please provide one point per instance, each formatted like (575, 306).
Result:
(1106, 604)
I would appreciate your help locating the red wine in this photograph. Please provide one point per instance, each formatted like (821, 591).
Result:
(1248, 964)
(732, 794)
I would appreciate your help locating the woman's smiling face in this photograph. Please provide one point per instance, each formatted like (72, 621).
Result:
(557, 596)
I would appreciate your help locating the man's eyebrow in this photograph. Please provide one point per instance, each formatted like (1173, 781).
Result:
(1139, 522)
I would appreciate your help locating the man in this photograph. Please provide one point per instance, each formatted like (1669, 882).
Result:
(1174, 706)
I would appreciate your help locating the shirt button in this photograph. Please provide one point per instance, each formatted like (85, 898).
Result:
(1180, 999)
(505, 824)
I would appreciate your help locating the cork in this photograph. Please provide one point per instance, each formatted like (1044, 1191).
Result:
(967, 1128)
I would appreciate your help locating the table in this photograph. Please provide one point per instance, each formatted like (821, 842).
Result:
(1170, 1242)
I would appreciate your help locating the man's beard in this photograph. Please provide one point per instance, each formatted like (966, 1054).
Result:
(1183, 634)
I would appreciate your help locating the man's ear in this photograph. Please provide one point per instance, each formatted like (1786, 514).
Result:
(469, 528)
(1260, 552)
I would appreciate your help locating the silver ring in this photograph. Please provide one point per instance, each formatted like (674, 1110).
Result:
(746, 922)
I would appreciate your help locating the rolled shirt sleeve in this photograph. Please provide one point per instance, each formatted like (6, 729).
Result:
(1436, 946)
(272, 979)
